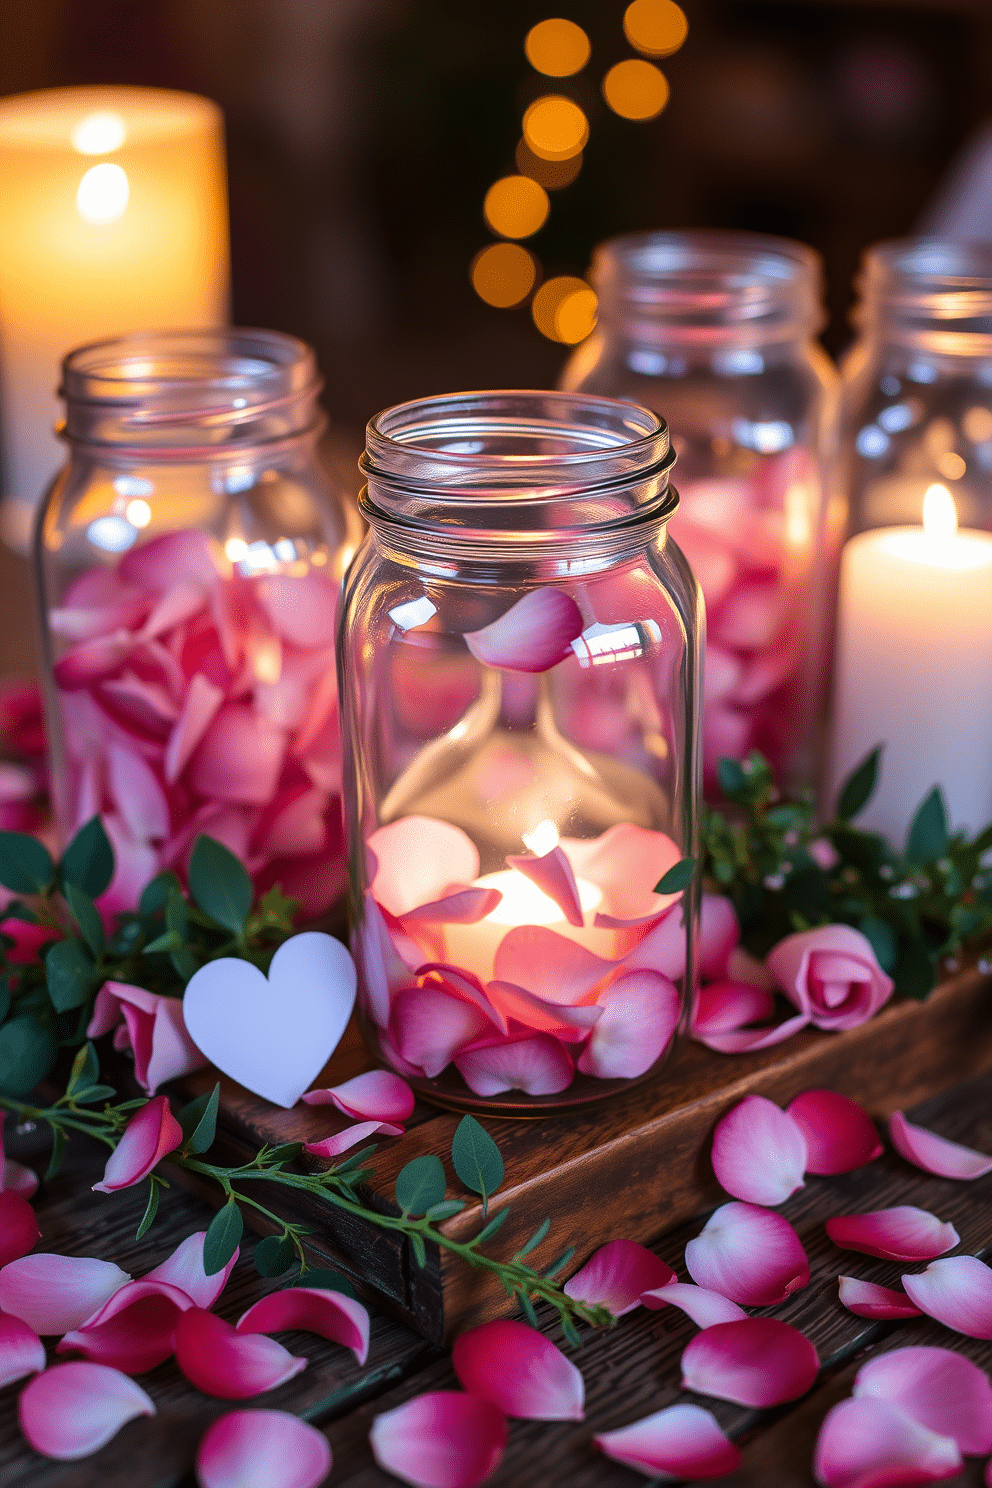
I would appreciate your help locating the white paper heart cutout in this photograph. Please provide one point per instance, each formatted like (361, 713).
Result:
(273, 1034)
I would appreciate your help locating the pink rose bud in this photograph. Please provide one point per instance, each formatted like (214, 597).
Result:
(149, 1135)
(831, 975)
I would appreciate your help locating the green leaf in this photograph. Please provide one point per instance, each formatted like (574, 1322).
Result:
(445, 1210)
(326, 1280)
(93, 1093)
(527, 1308)
(185, 964)
(914, 973)
(355, 1159)
(857, 789)
(884, 941)
(562, 1260)
(222, 1238)
(275, 911)
(571, 1333)
(88, 861)
(176, 918)
(285, 1152)
(27, 1053)
(59, 1144)
(19, 911)
(928, 833)
(4, 997)
(70, 975)
(536, 1238)
(155, 894)
(201, 1137)
(418, 1248)
(167, 941)
(151, 1209)
(678, 877)
(25, 865)
(274, 1255)
(494, 1224)
(220, 884)
(85, 1070)
(730, 776)
(421, 1184)
(87, 917)
(476, 1159)
(193, 1114)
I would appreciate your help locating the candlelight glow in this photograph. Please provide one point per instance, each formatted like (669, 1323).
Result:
(635, 89)
(555, 128)
(516, 206)
(657, 27)
(940, 516)
(523, 903)
(557, 47)
(543, 839)
(236, 549)
(138, 513)
(99, 134)
(103, 193)
(503, 274)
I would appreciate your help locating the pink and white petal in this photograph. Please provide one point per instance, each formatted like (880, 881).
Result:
(149, 1136)
(132, 1332)
(552, 873)
(903, 1233)
(570, 1024)
(461, 906)
(934, 1154)
(723, 1006)
(135, 864)
(617, 1274)
(868, 1299)
(839, 1134)
(519, 1371)
(56, 1293)
(239, 758)
(753, 1361)
(957, 1291)
(199, 709)
(312, 1310)
(533, 635)
(537, 1065)
(137, 794)
(230, 1365)
(71, 1410)
(444, 1439)
(663, 947)
(19, 1230)
(681, 1441)
(173, 1053)
(748, 1254)
(21, 1350)
(189, 552)
(719, 933)
(301, 609)
(759, 1153)
(747, 1040)
(704, 1307)
(388, 958)
(339, 1142)
(429, 1026)
(89, 661)
(418, 857)
(464, 985)
(175, 607)
(184, 1269)
(378, 1095)
(868, 1443)
(267, 1447)
(626, 861)
(939, 1388)
(16, 1178)
(641, 1012)
(552, 967)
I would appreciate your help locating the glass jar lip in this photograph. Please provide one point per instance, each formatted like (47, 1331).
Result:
(915, 279)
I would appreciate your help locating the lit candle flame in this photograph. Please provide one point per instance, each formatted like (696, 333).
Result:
(940, 516)
(543, 839)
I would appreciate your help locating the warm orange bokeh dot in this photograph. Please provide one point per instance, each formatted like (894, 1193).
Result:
(555, 128)
(516, 206)
(658, 27)
(564, 309)
(503, 274)
(635, 89)
(557, 47)
(552, 174)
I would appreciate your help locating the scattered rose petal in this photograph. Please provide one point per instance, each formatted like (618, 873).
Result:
(957, 1291)
(725, 1006)
(839, 1135)
(21, 1350)
(937, 1387)
(265, 1447)
(233, 1366)
(748, 1254)
(698, 1303)
(313, 1310)
(641, 1011)
(184, 1269)
(617, 1274)
(56, 1293)
(868, 1299)
(754, 1361)
(71, 1410)
(134, 1331)
(748, 1040)
(533, 635)
(903, 1233)
(867, 1443)
(719, 933)
(334, 1145)
(552, 873)
(19, 1230)
(444, 1439)
(537, 1065)
(759, 1153)
(376, 1095)
(934, 1154)
(831, 974)
(519, 1371)
(681, 1441)
(147, 1138)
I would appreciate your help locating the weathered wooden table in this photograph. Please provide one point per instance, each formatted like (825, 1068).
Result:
(629, 1371)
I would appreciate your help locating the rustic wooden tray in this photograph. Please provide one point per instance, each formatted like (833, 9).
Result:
(635, 1166)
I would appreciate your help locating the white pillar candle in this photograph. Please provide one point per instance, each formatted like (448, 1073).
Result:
(113, 204)
(913, 668)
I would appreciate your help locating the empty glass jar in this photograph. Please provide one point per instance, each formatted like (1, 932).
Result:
(519, 689)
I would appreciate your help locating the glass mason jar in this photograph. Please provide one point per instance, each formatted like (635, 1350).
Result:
(717, 329)
(914, 618)
(189, 561)
(518, 675)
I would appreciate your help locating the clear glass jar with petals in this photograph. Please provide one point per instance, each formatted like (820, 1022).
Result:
(189, 562)
(717, 331)
(519, 680)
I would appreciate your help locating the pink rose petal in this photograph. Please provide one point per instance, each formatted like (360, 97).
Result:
(663, 947)
(163, 1050)
(940, 1389)
(536, 1065)
(418, 857)
(934, 1154)
(719, 933)
(868, 1443)
(148, 1136)
(429, 1027)
(461, 907)
(21, 1350)
(641, 1012)
(956, 1291)
(19, 1230)
(704, 1307)
(725, 1006)
(747, 1040)
(831, 974)
(533, 635)
(748, 1254)
(137, 794)
(73, 1409)
(571, 1024)
(754, 1361)
(867, 1299)
(839, 1135)
(465, 985)
(519, 1371)
(903, 1233)
(155, 564)
(184, 1269)
(626, 862)
(378, 1095)
(264, 1447)
(88, 661)
(302, 609)
(339, 1142)
(56, 1293)
(230, 1365)
(759, 1153)
(552, 967)
(134, 1330)
(617, 1274)
(239, 758)
(681, 1441)
(198, 712)
(313, 1310)
(552, 873)
(444, 1439)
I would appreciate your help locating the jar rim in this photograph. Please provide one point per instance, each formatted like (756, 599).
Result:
(928, 289)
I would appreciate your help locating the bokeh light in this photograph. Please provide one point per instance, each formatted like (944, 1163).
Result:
(99, 134)
(557, 48)
(658, 27)
(551, 174)
(564, 309)
(516, 206)
(635, 89)
(503, 274)
(555, 128)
